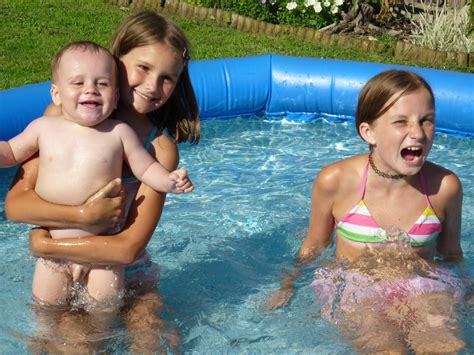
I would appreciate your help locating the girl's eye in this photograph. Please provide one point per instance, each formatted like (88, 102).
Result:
(143, 67)
(169, 79)
(429, 118)
(399, 123)
(103, 84)
(77, 83)
(428, 121)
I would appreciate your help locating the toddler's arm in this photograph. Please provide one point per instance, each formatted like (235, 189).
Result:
(147, 169)
(7, 158)
(20, 147)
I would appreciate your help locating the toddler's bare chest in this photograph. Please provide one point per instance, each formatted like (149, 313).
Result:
(93, 150)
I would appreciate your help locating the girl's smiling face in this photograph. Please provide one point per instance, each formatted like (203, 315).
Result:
(402, 137)
(149, 75)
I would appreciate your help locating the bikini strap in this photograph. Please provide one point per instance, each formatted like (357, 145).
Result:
(150, 138)
(364, 182)
(166, 133)
(132, 179)
(424, 187)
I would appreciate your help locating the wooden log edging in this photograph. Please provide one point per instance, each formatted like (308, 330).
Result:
(400, 50)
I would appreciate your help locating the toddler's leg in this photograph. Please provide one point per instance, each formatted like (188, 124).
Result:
(51, 282)
(106, 286)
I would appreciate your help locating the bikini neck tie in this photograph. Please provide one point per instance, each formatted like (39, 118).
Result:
(381, 173)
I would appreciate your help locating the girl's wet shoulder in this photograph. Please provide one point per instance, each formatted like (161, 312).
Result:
(347, 167)
(441, 181)
(343, 174)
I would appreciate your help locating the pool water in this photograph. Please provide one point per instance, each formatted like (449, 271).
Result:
(222, 249)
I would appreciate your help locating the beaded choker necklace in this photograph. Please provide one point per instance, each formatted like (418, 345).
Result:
(381, 173)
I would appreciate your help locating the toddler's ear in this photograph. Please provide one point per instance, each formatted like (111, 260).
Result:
(366, 133)
(55, 95)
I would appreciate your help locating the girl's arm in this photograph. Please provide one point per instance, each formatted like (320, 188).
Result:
(23, 205)
(124, 247)
(449, 243)
(321, 220)
(317, 238)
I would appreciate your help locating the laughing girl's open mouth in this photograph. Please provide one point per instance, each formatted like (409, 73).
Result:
(411, 153)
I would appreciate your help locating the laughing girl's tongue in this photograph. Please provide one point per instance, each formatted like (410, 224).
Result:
(411, 153)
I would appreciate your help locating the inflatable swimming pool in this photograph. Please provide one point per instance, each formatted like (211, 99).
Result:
(295, 87)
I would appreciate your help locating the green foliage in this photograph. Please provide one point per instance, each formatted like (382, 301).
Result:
(278, 11)
(442, 29)
(471, 17)
(31, 31)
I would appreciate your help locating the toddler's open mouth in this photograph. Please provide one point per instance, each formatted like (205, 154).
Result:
(90, 103)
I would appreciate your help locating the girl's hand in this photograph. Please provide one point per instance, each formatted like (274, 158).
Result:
(105, 207)
(282, 296)
(278, 299)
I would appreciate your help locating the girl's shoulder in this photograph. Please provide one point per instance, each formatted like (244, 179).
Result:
(343, 174)
(165, 151)
(164, 142)
(346, 167)
(440, 180)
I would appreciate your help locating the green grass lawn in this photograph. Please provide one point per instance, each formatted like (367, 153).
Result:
(31, 31)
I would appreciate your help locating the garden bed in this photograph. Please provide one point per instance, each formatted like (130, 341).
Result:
(400, 50)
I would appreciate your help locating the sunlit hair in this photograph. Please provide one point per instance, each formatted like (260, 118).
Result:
(180, 113)
(83, 46)
(386, 86)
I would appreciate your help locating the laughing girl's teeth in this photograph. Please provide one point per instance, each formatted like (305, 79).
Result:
(411, 153)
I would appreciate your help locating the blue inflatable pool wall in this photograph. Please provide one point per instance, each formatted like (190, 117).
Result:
(298, 88)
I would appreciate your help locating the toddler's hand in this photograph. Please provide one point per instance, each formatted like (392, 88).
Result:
(182, 182)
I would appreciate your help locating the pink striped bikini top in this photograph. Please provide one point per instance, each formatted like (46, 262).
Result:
(358, 225)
